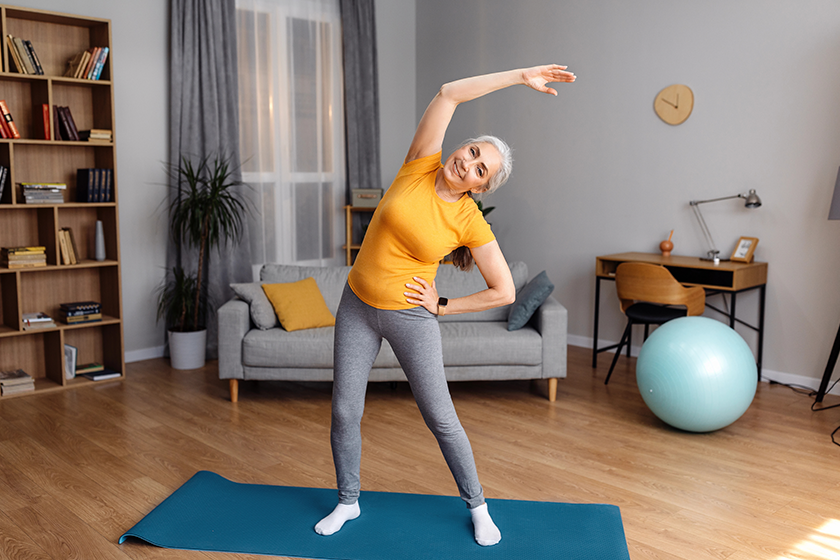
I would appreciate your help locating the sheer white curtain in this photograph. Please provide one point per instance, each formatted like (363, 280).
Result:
(291, 126)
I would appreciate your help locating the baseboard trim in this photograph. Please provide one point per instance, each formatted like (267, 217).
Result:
(767, 375)
(144, 354)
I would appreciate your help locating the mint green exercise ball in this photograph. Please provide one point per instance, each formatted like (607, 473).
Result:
(696, 374)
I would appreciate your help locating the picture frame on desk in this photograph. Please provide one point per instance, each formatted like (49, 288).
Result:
(744, 250)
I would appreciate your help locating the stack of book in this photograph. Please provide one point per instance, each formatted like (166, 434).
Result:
(67, 245)
(17, 381)
(80, 312)
(39, 320)
(23, 257)
(24, 56)
(88, 64)
(96, 135)
(94, 185)
(43, 193)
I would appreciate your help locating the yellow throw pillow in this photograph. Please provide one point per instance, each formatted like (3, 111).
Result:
(299, 305)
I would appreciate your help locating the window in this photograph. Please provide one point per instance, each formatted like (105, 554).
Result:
(291, 127)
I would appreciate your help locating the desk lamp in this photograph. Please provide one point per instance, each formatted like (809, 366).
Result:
(751, 200)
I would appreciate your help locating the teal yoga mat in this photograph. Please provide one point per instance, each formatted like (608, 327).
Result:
(212, 513)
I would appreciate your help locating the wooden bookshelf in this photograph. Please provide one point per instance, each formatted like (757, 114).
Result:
(33, 158)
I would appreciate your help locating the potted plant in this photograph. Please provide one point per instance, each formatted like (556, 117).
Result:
(205, 213)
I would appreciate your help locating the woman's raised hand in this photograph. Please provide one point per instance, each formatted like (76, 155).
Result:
(538, 76)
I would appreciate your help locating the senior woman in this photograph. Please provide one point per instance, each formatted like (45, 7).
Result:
(426, 213)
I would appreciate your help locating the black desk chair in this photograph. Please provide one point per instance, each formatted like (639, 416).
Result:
(647, 293)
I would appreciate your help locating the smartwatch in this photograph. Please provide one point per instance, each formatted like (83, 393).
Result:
(442, 306)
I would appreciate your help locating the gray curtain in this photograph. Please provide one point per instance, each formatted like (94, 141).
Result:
(203, 122)
(361, 94)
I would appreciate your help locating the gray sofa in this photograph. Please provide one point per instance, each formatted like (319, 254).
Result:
(476, 346)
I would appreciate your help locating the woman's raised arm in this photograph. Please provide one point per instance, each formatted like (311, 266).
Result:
(428, 139)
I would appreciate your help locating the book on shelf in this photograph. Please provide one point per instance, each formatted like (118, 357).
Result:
(91, 367)
(23, 257)
(88, 64)
(72, 248)
(24, 56)
(79, 319)
(43, 193)
(34, 56)
(93, 185)
(15, 377)
(24, 250)
(9, 121)
(81, 307)
(96, 135)
(103, 374)
(46, 115)
(4, 174)
(15, 55)
(39, 320)
(15, 389)
(66, 126)
(70, 355)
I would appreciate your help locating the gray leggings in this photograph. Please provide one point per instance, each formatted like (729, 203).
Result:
(414, 335)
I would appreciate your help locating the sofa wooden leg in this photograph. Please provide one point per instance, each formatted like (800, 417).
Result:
(234, 390)
(552, 389)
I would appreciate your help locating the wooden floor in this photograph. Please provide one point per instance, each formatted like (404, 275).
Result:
(79, 468)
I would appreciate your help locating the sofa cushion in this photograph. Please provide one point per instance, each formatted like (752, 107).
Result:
(452, 282)
(480, 343)
(330, 279)
(310, 348)
(262, 313)
(299, 305)
(528, 300)
(464, 344)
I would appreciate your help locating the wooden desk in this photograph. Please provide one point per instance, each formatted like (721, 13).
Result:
(726, 277)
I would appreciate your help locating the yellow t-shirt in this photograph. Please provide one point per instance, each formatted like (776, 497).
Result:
(411, 230)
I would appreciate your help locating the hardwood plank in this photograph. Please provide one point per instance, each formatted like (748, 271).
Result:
(15, 543)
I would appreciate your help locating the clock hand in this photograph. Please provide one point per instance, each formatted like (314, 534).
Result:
(669, 103)
(677, 106)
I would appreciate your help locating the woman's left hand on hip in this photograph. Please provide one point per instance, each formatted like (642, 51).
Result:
(424, 294)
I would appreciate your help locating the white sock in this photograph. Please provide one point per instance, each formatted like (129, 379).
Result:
(486, 532)
(335, 521)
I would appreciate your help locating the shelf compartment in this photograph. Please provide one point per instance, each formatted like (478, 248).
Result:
(97, 344)
(47, 290)
(53, 163)
(81, 219)
(90, 106)
(25, 99)
(43, 29)
(36, 355)
(30, 226)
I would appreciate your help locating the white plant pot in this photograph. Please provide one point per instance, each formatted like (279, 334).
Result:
(187, 349)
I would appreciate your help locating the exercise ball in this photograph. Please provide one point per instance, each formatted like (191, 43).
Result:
(696, 374)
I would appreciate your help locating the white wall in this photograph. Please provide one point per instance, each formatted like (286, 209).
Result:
(395, 30)
(597, 172)
(140, 32)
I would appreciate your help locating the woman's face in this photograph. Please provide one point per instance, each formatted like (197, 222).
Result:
(470, 168)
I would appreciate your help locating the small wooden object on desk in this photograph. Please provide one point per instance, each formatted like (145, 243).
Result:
(667, 246)
(744, 250)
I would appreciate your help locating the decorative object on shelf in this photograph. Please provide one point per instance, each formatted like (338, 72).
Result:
(206, 213)
(70, 355)
(667, 246)
(674, 104)
(366, 198)
(99, 242)
(751, 200)
(744, 249)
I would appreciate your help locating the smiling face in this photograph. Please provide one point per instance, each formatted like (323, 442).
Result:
(469, 168)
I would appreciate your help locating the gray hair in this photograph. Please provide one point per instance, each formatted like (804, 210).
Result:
(501, 176)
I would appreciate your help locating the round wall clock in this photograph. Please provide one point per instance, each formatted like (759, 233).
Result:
(674, 104)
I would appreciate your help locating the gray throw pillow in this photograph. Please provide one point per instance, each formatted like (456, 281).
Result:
(262, 312)
(528, 300)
